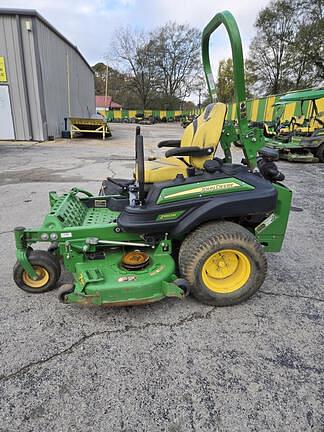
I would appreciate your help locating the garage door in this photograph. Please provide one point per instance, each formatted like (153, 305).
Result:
(6, 123)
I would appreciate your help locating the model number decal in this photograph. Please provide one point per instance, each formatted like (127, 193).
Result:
(66, 235)
(100, 203)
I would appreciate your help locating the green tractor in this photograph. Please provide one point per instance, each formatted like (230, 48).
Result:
(302, 139)
(186, 223)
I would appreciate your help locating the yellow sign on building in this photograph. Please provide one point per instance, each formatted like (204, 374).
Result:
(3, 75)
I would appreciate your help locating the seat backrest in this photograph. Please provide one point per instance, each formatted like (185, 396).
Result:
(318, 121)
(208, 132)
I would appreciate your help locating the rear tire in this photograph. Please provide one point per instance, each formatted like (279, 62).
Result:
(223, 263)
(47, 268)
(320, 153)
(53, 251)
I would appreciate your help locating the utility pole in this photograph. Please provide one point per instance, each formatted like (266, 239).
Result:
(106, 87)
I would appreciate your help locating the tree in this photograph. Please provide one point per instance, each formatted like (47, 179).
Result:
(225, 81)
(308, 44)
(284, 51)
(176, 50)
(100, 77)
(118, 86)
(270, 49)
(133, 51)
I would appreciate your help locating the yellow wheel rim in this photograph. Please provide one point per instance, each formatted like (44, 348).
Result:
(226, 271)
(43, 278)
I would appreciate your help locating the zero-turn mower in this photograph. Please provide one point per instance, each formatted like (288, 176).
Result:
(302, 138)
(188, 222)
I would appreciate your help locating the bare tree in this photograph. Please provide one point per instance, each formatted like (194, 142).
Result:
(176, 50)
(163, 66)
(133, 51)
(285, 51)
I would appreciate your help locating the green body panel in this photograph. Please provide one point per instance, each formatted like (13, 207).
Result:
(271, 232)
(296, 142)
(229, 112)
(105, 281)
(229, 135)
(296, 150)
(300, 95)
(249, 109)
(202, 189)
(261, 109)
(301, 108)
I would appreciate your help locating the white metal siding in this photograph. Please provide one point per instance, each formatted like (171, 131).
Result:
(36, 64)
(32, 79)
(10, 49)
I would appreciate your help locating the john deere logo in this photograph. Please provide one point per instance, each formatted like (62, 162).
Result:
(216, 187)
(204, 189)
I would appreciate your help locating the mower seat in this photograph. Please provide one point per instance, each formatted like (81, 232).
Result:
(198, 144)
(314, 123)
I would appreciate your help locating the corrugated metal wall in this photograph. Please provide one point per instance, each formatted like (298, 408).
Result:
(55, 58)
(10, 48)
(32, 79)
(36, 61)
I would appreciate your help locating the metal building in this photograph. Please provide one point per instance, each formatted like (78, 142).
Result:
(43, 78)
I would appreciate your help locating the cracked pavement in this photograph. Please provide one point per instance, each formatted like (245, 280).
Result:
(174, 366)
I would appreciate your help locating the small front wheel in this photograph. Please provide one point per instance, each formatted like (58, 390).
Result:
(223, 263)
(45, 266)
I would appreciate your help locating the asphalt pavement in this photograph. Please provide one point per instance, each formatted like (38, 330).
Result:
(177, 365)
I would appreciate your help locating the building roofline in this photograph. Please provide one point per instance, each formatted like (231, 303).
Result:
(34, 13)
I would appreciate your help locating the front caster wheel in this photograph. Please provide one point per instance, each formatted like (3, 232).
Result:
(64, 290)
(223, 263)
(46, 268)
(184, 285)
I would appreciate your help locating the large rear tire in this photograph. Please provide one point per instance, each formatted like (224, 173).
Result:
(223, 263)
(320, 153)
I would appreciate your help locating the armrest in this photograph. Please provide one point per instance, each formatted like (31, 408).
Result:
(169, 143)
(189, 151)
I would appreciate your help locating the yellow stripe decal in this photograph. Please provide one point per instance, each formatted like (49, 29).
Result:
(255, 106)
(204, 189)
(289, 111)
(269, 108)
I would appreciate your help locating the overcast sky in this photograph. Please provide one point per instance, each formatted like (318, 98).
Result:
(91, 24)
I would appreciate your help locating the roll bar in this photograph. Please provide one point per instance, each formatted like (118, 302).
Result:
(230, 24)
(251, 139)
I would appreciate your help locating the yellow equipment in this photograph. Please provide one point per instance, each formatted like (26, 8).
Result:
(309, 126)
(198, 144)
